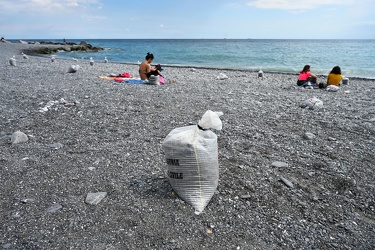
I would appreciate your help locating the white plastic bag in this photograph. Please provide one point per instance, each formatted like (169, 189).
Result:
(222, 76)
(13, 61)
(191, 154)
(332, 88)
(73, 68)
(312, 103)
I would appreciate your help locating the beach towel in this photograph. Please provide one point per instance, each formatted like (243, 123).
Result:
(117, 78)
(135, 81)
(121, 80)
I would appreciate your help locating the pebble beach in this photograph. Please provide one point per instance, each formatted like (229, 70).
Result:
(82, 167)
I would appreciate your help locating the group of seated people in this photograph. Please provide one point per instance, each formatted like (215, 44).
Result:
(308, 79)
(305, 78)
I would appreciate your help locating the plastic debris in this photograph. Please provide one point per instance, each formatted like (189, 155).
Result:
(191, 154)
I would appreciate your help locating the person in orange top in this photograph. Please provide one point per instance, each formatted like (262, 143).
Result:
(334, 77)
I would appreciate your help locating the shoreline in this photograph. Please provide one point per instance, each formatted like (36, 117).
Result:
(224, 69)
(213, 68)
(35, 49)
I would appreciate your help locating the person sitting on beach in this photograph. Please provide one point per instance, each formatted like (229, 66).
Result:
(306, 78)
(334, 77)
(145, 69)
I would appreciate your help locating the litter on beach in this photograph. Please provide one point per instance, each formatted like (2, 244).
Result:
(191, 155)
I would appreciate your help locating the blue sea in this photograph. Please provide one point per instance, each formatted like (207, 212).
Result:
(355, 57)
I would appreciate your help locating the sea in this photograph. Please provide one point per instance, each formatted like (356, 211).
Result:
(356, 57)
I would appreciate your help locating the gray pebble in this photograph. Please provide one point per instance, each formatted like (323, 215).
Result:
(27, 200)
(55, 207)
(308, 136)
(287, 182)
(7, 246)
(311, 173)
(18, 137)
(55, 145)
(95, 198)
(245, 196)
(279, 164)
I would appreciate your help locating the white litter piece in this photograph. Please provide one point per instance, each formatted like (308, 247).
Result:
(24, 56)
(222, 76)
(73, 68)
(312, 103)
(260, 74)
(13, 61)
(345, 80)
(332, 88)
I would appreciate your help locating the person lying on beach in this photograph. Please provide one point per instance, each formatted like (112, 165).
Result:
(334, 77)
(306, 78)
(145, 69)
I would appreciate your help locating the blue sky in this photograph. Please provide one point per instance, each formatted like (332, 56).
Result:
(257, 19)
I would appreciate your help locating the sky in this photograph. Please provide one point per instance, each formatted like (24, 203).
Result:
(183, 19)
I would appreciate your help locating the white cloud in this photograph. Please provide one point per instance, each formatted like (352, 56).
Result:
(73, 4)
(46, 6)
(294, 4)
(93, 17)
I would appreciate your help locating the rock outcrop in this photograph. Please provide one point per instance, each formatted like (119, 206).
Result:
(53, 47)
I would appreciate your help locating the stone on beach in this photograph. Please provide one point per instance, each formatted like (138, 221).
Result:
(286, 182)
(18, 137)
(308, 136)
(95, 198)
(54, 208)
(56, 145)
(279, 164)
